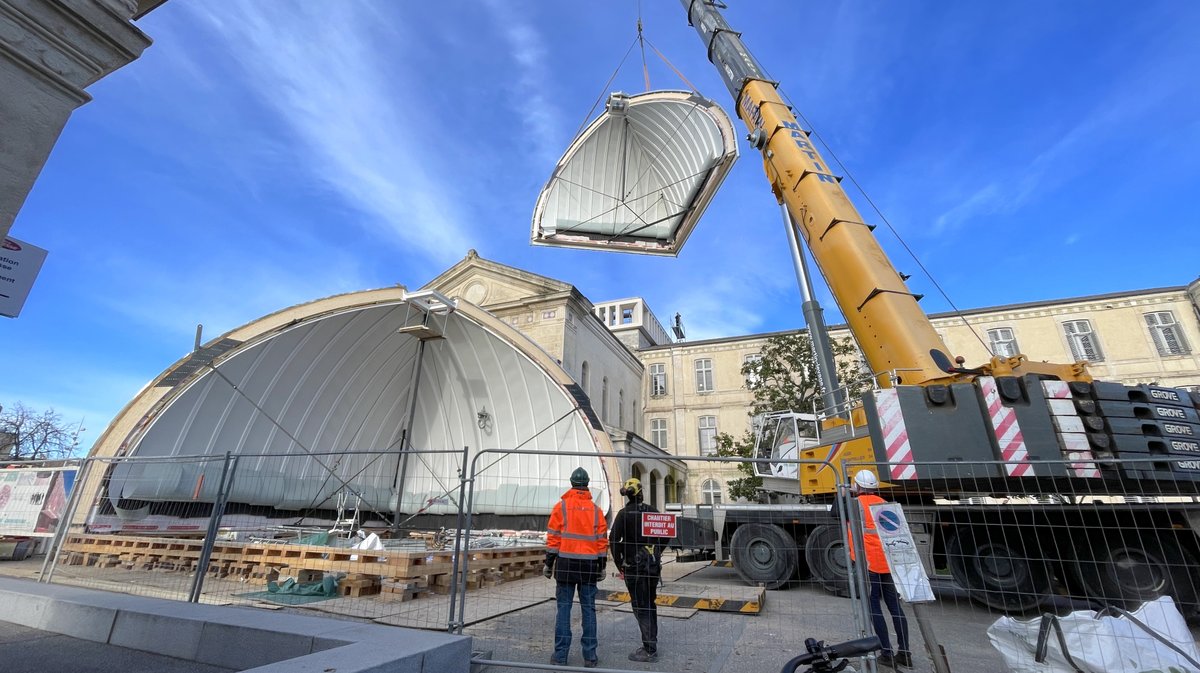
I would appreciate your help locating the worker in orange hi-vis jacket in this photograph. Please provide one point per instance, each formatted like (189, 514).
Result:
(865, 488)
(576, 555)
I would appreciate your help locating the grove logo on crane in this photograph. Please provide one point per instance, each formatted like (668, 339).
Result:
(10, 244)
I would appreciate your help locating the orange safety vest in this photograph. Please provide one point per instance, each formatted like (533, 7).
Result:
(577, 527)
(872, 545)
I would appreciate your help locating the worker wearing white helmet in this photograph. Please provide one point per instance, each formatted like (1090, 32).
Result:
(883, 589)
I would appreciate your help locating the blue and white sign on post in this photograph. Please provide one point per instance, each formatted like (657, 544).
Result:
(901, 552)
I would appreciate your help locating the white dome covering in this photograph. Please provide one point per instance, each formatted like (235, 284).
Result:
(639, 177)
(328, 393)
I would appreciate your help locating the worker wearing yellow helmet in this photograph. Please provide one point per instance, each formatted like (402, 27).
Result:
(639, 558)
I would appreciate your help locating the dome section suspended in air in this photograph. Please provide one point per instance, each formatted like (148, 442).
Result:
(639, 177)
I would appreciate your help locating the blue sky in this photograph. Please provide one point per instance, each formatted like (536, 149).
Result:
(263, 154)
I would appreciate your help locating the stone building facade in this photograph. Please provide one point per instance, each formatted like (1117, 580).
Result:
(665, 400)
(694, 390)
(560, 320)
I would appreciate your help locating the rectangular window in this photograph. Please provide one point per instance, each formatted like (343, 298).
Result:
(704, 376)
(708, 435)
(1003, 343)
(751, 376)
(658, 432)
(626, 315)
(1084, 345)
(1168, 335)
(658, 380)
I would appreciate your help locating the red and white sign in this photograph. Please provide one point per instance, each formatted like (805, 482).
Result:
(20, 263)
(658, 525)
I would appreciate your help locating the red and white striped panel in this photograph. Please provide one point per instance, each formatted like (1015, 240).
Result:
(1070, 431)
(1076, 449)
(895, 435)
(1007, 431)
(1056, 390)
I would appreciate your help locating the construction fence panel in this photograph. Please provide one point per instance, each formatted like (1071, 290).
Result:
(322, 534)
(127, 536)
(735, 591)
(33, 499)
(1063, 548)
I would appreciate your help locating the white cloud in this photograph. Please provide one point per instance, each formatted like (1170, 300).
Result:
(717, 308)
(221, 293)
(332, 75)
(537, 112)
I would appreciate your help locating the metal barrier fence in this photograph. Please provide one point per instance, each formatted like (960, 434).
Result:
(742, 585)
(195, 528)
(710, 616)
(1010, 558)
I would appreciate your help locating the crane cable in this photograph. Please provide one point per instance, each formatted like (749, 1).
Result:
(642, 45)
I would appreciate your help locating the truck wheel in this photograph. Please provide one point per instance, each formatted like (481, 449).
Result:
(825, 550)
(997, 570)
(1128, 568)
(764, 554)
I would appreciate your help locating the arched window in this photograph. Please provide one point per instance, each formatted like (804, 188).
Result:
(710, 490)
(620, 408)
(669, 487)
(583, 377)
(604, 399)
(636, 472)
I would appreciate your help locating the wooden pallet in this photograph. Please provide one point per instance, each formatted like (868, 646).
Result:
(415, 572)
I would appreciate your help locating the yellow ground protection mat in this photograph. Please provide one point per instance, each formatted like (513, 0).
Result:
(666, 597)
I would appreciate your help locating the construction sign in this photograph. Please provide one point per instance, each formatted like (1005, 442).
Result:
(655, 524)
(901, 552)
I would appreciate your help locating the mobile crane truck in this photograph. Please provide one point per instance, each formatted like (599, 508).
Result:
(1008, 446)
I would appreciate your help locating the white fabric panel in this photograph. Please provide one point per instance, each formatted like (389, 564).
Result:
(342, 385)
(645, 174)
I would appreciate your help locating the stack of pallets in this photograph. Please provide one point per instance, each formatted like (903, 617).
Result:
(400, 573)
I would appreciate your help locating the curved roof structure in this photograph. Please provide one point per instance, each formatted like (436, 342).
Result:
(639, 177)
(318, 400)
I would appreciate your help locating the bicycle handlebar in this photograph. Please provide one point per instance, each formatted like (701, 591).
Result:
(819, 652)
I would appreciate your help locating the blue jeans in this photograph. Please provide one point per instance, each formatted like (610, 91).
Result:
(565, 593)
(883, 588)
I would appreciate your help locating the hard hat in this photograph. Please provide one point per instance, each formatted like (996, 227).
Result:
(580, 477)
(632, 487)
(866, 479)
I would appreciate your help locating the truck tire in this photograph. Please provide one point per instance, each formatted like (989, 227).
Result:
(764, 554)
(825, 551)
(996, 568)
(1130, 567)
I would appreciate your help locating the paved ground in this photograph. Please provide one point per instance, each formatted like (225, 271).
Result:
(24, 650)
(690, 641)
(711, 642)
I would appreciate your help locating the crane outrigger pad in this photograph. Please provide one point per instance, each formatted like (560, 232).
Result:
(637, 178)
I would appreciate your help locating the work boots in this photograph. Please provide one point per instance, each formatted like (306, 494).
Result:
(640, 654)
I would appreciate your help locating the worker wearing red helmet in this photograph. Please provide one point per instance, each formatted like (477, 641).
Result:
(883, 589)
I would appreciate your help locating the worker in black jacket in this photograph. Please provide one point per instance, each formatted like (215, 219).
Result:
(640, 560)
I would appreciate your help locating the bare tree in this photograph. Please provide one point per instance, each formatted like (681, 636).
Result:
(29, 434)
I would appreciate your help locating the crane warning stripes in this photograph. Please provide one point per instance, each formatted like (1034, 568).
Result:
(1007, 430)
(1075, 446)
(895, 435)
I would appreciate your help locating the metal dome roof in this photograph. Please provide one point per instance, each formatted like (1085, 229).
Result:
(328, 394)
(639, 177)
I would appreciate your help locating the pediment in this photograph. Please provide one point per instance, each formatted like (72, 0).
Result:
(486, 283)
